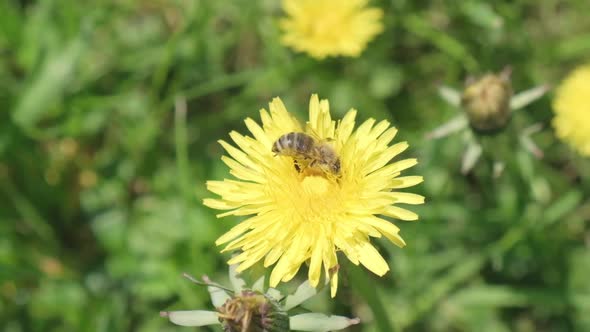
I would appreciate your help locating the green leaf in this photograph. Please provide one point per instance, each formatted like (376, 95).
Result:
(40, 97)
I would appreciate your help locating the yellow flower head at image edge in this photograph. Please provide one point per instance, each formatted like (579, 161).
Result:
(572, 110)
(298, 216)
(324, 28)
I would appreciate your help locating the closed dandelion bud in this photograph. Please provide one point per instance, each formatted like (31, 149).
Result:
(253, 311)
(487, 102)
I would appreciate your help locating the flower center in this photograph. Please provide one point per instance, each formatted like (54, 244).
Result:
(329, 25)
(317, 200)
(315, 185)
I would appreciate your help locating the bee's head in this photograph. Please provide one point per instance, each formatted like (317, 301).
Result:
(335, 167)
(331, 168)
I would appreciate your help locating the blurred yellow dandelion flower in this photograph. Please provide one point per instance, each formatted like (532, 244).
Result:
(572, 110)
(324, 28)
(297, 216)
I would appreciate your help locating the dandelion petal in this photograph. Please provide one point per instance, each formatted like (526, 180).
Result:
(320, 322)
(192, 317)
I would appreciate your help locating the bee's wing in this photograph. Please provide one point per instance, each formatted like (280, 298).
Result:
(309, 130)
(316, 136)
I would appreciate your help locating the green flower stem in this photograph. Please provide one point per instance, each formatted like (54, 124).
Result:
(367, 290)
(219, 83)
(181, 147)
(29, 214)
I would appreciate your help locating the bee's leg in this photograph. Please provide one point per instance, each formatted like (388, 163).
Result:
(299, 164)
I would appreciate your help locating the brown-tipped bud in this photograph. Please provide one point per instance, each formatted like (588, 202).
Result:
(253, 312)
(487, 102)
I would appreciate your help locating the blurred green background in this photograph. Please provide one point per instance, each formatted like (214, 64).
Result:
(102, 172)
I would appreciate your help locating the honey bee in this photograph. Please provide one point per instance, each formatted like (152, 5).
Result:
(308, 153)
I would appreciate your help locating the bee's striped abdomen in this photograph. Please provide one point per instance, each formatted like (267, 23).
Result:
(293, 145)
(309, 157)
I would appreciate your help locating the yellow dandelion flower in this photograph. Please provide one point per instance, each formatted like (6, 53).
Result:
(572, 110)
(298, 216)
(324, 28)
